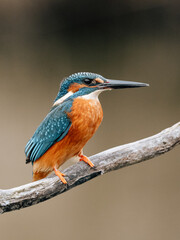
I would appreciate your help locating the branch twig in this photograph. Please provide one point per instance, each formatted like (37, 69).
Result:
(109, 160)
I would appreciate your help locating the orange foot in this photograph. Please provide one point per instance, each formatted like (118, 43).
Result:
(86, 160)
(60, 175)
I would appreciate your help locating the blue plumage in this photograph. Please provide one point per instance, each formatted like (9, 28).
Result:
(52, 129)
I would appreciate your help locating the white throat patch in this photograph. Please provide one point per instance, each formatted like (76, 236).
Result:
(93, 95)
(60, 100)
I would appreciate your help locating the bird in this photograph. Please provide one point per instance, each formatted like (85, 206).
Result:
(75, 116)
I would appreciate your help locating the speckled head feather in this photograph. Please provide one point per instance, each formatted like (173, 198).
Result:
(75, 78)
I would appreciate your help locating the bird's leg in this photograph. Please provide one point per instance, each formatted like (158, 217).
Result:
(60, 175)
(85, 159)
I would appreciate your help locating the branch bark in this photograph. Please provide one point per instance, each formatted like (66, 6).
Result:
(109, 160)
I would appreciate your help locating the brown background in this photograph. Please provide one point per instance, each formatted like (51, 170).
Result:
(41, 42)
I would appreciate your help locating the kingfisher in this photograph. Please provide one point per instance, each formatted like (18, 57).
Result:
(73, 119)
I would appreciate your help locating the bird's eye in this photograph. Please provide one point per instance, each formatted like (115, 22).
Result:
(87, 81)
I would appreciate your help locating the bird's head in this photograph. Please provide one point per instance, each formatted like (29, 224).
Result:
(84, 83)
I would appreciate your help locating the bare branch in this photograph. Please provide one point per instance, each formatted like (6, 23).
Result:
(109, 160)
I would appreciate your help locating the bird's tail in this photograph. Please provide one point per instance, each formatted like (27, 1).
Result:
(28, 160)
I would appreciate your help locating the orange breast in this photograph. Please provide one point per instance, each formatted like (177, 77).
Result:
(86, 116)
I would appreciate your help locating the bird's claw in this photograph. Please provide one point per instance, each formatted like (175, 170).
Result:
(86, 160)
(60, 175)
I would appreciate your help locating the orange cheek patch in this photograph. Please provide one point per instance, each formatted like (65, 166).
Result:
(99, 80)
(75, 87)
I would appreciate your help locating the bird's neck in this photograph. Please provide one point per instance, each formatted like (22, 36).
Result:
(60, 100)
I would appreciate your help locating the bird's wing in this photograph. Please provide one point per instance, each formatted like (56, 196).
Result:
(52, 129)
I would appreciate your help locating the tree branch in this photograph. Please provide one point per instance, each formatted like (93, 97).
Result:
(109, 160)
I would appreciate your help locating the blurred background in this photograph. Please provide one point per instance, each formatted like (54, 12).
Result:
(41, 42)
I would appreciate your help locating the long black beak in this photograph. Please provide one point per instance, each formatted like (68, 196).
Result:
(116, 84)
